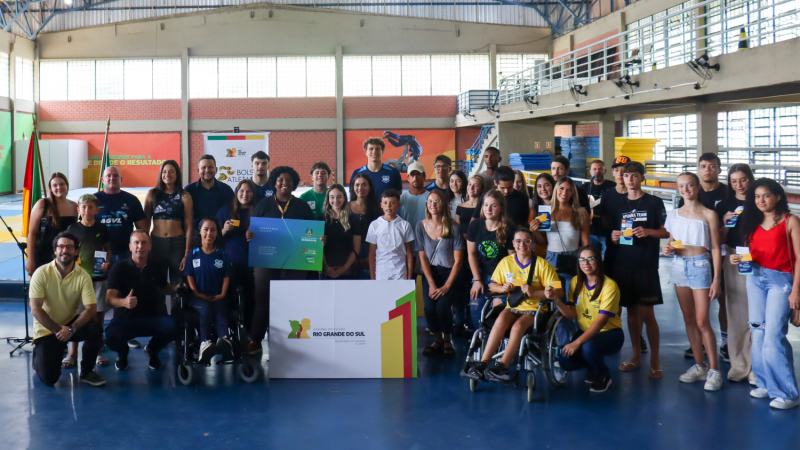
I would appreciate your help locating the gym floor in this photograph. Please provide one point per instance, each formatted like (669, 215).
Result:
(140, 408)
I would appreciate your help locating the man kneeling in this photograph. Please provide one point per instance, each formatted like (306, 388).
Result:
(133, 290)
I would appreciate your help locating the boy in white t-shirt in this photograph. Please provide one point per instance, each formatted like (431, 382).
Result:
(390, 254)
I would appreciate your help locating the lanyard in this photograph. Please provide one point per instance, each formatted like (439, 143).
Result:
(282, 210)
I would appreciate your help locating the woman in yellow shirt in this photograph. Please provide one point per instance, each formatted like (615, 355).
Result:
(511, 272)
(594, 301)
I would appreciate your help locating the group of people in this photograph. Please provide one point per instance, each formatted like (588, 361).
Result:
(589, 250)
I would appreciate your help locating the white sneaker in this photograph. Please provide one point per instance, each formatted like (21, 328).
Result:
(207, 351)
(782, 403)
(752, 379)
(759, 393)
(695, 373)
(713, 381)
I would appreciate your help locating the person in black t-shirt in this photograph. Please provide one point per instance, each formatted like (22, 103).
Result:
(636, 267)
(708, 169)
(517, 206)
(135, 285)
(611, 196)
(559, 167)
(597, 187)
(740, 177)
(341, 238)
(281, 205)
(485, 249)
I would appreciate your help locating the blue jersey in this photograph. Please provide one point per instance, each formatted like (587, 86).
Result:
(263, 191)
(386, 178)
(209, 271)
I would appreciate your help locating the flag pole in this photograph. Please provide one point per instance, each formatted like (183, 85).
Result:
(104, 156)
(35, 137)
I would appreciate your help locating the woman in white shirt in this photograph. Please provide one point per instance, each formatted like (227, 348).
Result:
(694, 233)
(569, 231)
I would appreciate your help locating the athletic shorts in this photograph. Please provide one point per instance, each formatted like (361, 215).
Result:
(640, 286)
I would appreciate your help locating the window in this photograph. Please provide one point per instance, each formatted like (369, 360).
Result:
(233, 73)
(321, 76)
(203, 78)
(391, 75)
(117, 79)
(4, 75)
(24, 78)
(292, 77)
(262, 77)
(511, 63)
(657, 42)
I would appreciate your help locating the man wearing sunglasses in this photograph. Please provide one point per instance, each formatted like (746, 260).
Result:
(56, 291)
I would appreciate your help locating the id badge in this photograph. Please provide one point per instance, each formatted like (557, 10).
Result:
(99, 260)
(746, 265)
(627, 232)
(730, 223)
(544, 217)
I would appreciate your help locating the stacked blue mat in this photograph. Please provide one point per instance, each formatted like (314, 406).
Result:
(578, 149)
(530, 161)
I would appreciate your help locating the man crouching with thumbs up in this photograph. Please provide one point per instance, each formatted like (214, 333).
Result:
(133, 291)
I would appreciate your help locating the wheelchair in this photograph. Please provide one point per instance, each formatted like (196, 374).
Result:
(539, 348)
(188, 348)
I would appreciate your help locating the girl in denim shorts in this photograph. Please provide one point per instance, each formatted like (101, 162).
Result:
(694, 242)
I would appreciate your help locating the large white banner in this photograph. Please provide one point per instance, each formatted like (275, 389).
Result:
(342, 329)
(232, 152)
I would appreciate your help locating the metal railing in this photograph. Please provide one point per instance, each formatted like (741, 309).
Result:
(711, 27)
(473, 153)
(477, 99)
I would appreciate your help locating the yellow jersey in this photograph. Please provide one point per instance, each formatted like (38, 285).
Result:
(62, 296)
(607, 303)
(509, 270)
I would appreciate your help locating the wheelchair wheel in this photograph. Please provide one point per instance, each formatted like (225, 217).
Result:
(531, 385)
(248, 370)
(473, 385)
(185, 373)
(555, 375)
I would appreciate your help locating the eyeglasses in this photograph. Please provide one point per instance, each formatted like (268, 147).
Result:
(65, 247)
(435, 202)
(587, 260)
(440, 167)
(523, 241)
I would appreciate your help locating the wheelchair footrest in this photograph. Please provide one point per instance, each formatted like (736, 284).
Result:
(466, 374)
(513, 381)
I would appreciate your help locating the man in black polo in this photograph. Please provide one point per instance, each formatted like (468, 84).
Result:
(208, 194)
(133, 291)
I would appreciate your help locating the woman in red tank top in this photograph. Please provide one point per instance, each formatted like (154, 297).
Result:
(773, 289)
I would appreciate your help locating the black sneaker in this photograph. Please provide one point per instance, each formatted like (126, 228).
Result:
(723, 352)
(92, 378)
(644, 345)
(122, 362)
(499, 371)
(478, 369)
(154, 363)
(600, 386)
(225, 349)
(589, 378)
(688, 354)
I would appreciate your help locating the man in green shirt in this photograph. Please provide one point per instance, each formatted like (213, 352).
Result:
(315, 197)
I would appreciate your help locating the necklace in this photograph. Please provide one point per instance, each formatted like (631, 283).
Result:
(638, 201)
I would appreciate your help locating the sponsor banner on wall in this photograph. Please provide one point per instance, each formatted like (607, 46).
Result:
(232, 151)
(402, 148)
(137, 155)
(343, 329)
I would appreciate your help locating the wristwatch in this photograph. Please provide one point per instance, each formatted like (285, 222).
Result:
(71, 330)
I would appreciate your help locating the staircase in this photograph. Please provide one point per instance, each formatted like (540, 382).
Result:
(475, 154)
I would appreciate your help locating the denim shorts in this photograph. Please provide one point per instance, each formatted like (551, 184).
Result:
(691, 271)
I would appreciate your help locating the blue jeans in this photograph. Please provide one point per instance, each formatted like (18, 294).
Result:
(773, 362)
(592, 353)
(212, 315)
(565, 278)
(163, 329)
(599, 242)
(476, 305)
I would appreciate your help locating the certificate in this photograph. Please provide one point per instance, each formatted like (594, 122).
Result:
(286, 244)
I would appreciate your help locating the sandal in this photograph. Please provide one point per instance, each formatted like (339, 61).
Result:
(432, 349)
(68, 362)
(656, 374)
(101, 360)
(627, 366)
(448, 349)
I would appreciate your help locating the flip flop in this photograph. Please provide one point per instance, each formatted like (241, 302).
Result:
(69, 363)
(101, 360)
(432, 349)
(656, 374)
(627, 366)
(448, 349)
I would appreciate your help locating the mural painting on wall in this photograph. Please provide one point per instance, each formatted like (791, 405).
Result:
(403, 147)
(138, 155)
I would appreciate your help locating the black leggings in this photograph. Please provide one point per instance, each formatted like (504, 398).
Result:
(437, 312)
(243, 276)
(261, 310)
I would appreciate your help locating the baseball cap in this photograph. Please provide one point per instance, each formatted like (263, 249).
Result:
(415, 166)
(620, 161)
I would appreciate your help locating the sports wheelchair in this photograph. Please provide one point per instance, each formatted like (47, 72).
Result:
(188, 348)
(539, 348)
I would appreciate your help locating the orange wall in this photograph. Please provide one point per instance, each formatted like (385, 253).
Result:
(151, 148)
(433, 142)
